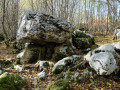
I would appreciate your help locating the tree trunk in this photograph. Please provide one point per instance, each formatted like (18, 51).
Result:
(3, 25)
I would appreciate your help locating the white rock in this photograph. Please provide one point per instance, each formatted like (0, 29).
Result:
(76, 31)
(61, 62)
(88, 49)
(20, 55)
(75, 76)
(113, 44)
(19, 68)
(33, 24)
(103, 63)
(65, 75)
(88, 56)
(116, 34)
(73, 58)
(1, 72)
(117, 45)
(41, 75)
(103, 48)
(80, 78)
(87, 73)
(106, 48)
(41, 63)
(26, 44)
(89, 35)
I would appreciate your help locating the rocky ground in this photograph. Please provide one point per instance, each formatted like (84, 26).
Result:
(81, 77)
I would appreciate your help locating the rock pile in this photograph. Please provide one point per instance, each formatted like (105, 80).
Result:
(49, 37)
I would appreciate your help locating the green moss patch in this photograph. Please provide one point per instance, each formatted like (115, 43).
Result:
(61, 84)
(16, 62)
(59, 69)
(11, 81)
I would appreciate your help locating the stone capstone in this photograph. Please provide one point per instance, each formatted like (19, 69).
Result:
(42, 28)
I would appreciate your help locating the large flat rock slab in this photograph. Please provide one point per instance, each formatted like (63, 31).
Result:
(41, 28)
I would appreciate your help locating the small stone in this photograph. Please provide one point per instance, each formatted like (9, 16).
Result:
(41, 75)
(19, 68)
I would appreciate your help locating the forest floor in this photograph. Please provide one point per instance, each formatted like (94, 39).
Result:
(104, 38)
(93, 83)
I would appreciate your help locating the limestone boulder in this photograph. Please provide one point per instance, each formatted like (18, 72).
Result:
(47, 37)
(82, 40)
(103, 48)
(34, 52)
(63, 50)
(51, 51)
(42, 28)
(104, 60)
(65, 63)
(117, 46)
(103, 63)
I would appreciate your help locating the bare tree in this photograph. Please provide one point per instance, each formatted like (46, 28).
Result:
(3, 24)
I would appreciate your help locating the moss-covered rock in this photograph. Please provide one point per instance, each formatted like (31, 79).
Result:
(40, 65)
(65, 64)
(61, 84)
(18, 46)
(82, 40)
(63, 50)
(51, 51)
(16, 62)
(34, 52)
(59, 69)
(11, 81)
(6, 62)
